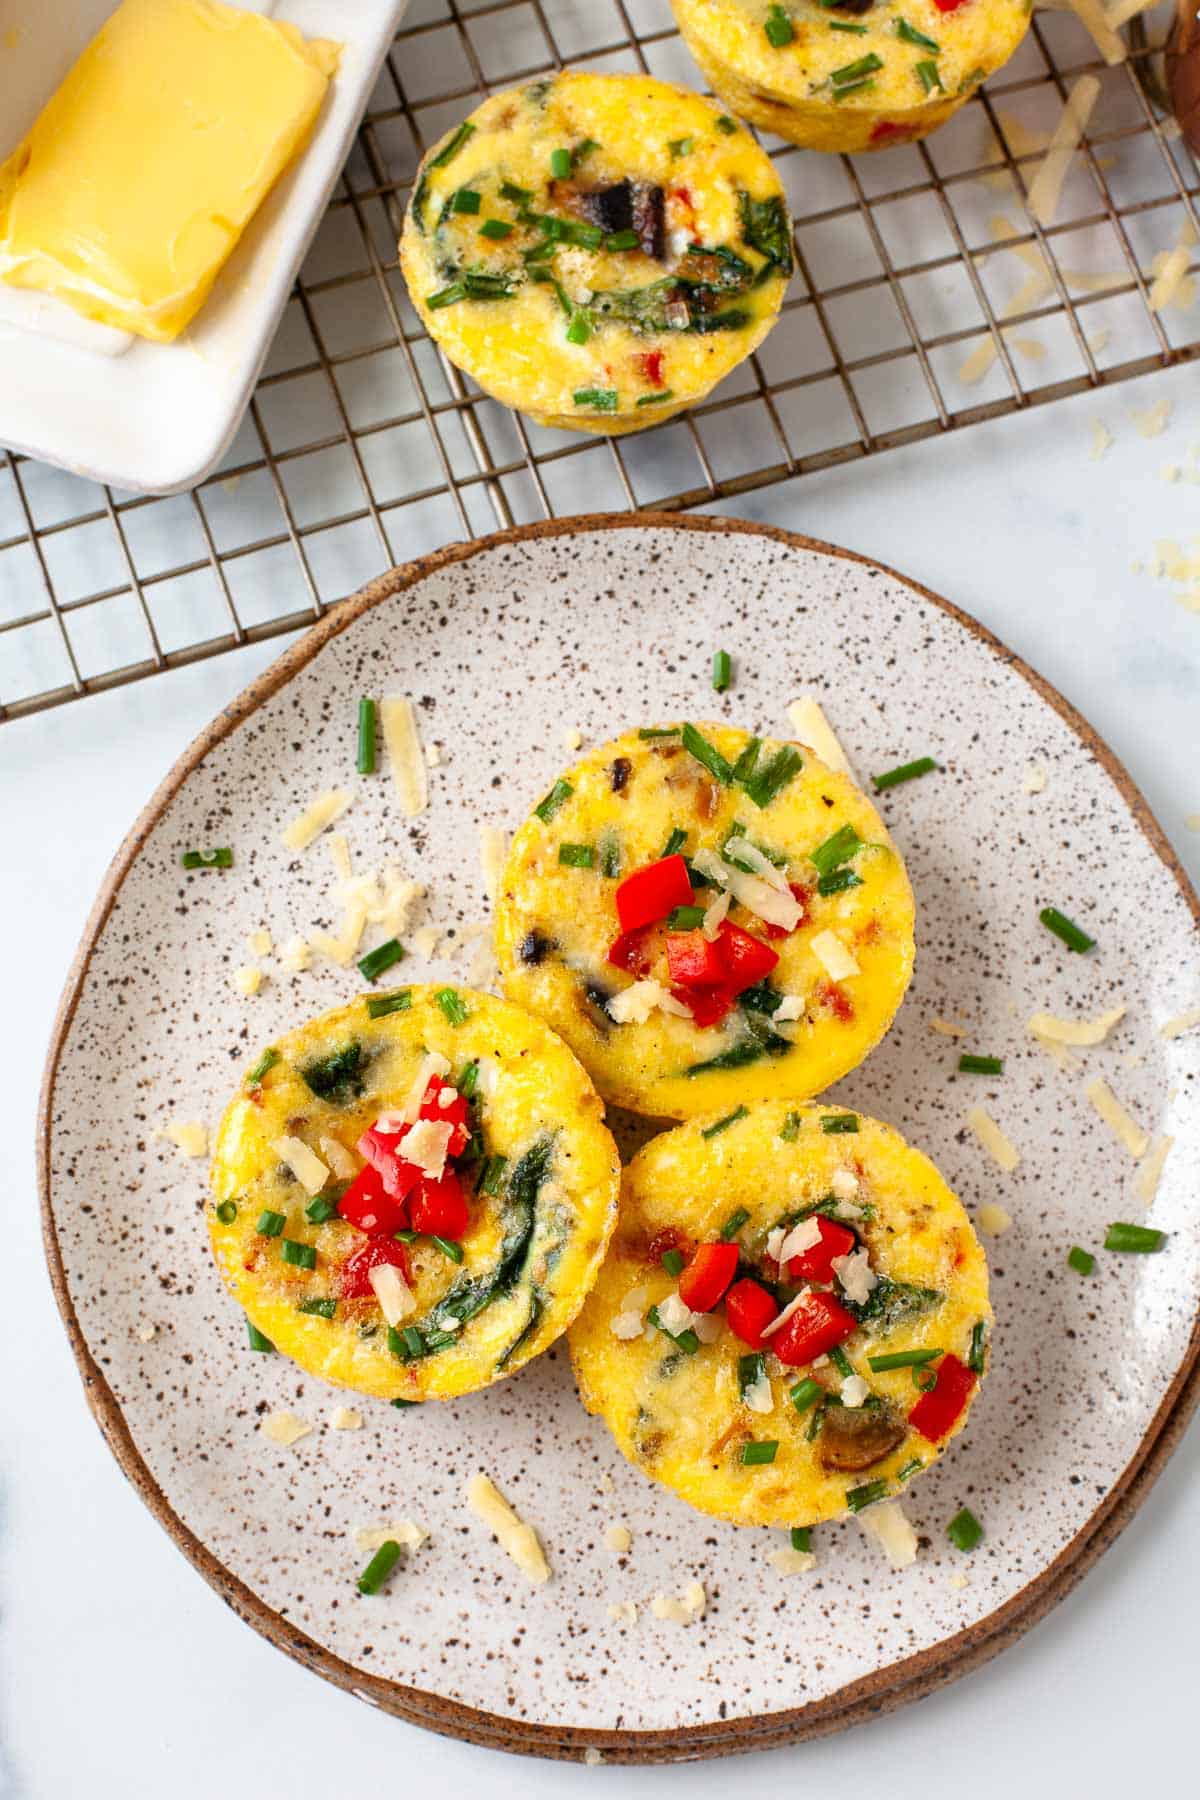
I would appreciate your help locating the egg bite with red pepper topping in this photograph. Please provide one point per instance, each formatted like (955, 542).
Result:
(597, 251)
(413, 1193)
(849, 75)
(792, 1320)
(706, 918)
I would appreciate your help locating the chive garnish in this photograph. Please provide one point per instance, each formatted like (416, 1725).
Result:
(207, 859)
(981, 1065)
(406, 1235)
(707, 755)
(841, 1362)
(909, 1470)
(687, 1341)
(401, 1404)
(840, 25)
(758, 1452)
(656, 399)
(300, 1256)
(610, 856)
(1143, 1240)
(365, 763)
(559, 794)
(510, 191)
(599, 399)
(813, 1428)
(685, 918)
(714, 1130)
(649, 732)
(802, 1537)
(320, 1309)
(856, 71)
(379, 1005)
(726, 124)
(227, 1212)
(320, 1210)
(1066, 929)
(672, 1261)
(902, 1359)
(560, 164)
(576, 856)
(751, 1368)
(835, 850)
(376, 961)
(927, 74)
(778, 28)
(681, 146)
(468, 1082)
(258, 1342)
(496, 229)
(266, 1061)
(622, 240)
(865, 86)
(774, 777)
(924, 765)
(674, 843)
(579, 328)
(789, 1131)
(453, 145)
(448, 1247)
(270, 1224)
(805, 1393)
(975, 1356)
(1082, 1261)
(446, 296)
(911, 36)
(866, 1495)
(722, 670)
(924, 1379)
(839, 1124)
(735, 1221)
(379, 1567)
(964, 1529)
(491, 1175)
(466, 200)
(451, 1004)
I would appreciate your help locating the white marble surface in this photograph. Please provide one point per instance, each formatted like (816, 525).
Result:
(121, 1674)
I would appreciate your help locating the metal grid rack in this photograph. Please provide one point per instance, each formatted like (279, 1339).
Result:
(925, 299)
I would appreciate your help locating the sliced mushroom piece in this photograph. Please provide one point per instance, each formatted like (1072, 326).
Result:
(854, 1438)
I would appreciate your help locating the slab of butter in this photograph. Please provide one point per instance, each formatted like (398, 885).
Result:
(142, 170)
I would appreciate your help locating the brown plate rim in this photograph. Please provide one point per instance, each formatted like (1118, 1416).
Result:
(872, 1695)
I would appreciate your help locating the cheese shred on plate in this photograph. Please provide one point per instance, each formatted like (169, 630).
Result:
(685, 1609)
(284, 1428)
(1046, 187)
(813, 728)
(1121, 1123)
(316, 818)
(1150, 1173)
(887, 1523)
(1099, 27)
(304, 1163)
(403, 744)
(1184, 1021)
(1081, 1033)
(516, 1539)
(189, 1136)
(993, 1139)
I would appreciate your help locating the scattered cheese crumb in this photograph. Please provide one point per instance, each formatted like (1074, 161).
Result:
(425, 941)
(189, 1136)
(346, 1418)
(682, 1611)
(1120, 1123)
(813, 728)
(959, 1581)
(618, 1538)
(426, 1145)
(259, 942)
(1034, 779)
(947, 1028)
(633, 1005)
(1045, 190)
(295, 956)
(714, 915)
(284, 1428)
(887, 1523)
(833, 955)
(1058, 1053)
(247, 980)
(516, 1539)
(493, 848)
(1184, 1021)
(1150, 1173)
(405, 1532)
(856, 1275)
(993, 1139)
(626, 1326)
(344, 948)
(1083, 1033)
(1171, 286)
(572, 738)
(854, 1390)
(146, 1332)
(304, 1163)
(338, 1158)
(623, 1612)
(1032, 348)
(1098, 25)
(315, 819)
(395, 1297)
(844, 1183)
(994, 1220)
(1153, 421)
(1102, 440)
(759, 1396)
(707, 1327)
(403, 743)
(792, 1562)
(675, 1316)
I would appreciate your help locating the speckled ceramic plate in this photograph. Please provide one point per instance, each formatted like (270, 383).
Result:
(597, 624)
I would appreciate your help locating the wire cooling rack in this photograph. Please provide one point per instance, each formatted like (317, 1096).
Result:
(925, 299)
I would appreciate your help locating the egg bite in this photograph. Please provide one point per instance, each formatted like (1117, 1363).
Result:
(412, 1194)
(859, 75)
(793, 1317)
(706, 918)
(597, 251)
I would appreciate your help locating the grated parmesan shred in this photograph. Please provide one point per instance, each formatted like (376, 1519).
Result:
(248, 980)
(1045, 190)
(284, 1428)
(346, 1418)
(993, 1139)
(1184, 1021)
(684, 1610)
(402, 741)
(1121, 1123)
(1082, 1033)
(994, 1219)
(189, 1136)
(405, 1532)
(304, 1163)
(813, 728)
(891, 1529)
(833, 955)
(1099, 27)
(517, 1539)
(792, 1562)
(316, 818)
(395, 1297)
(1150, 1173)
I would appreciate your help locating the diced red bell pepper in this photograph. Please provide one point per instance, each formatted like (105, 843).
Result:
(889, 131)
(382, 1151)
(836, 1000)
(817, 1264)
(650, 893)
(747, 959)
(938, 1411)
(693, 961)
(949, 6)
(631, 952)
(652, 367)
(749, 1308)
(706, 1277)
(456, 1113)
(354, 1276)
(439, 1208)
(817, 1325)
(801, 896)
(708, 1006)
(367, 1205)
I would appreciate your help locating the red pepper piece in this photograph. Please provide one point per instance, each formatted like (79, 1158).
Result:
(382, 1151)
(706, 1277)
(817, 1264)
(693, 961)
(747, 959)
(631, 952)
(354, 1276)
(949, 6)
(650, 893)
(938, 1410)
(457, 1113)
(748, 1308)
(439, 1208)
(801, 896)
(367, 1205)
(836, 1000)
(652, 367)
(888, 131)
(817, 1325)
(708, 1005)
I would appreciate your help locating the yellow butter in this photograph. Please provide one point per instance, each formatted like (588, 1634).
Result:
(143, 169)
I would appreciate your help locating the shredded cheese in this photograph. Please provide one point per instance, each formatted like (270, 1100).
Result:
(792, 1562)
(346, 1418)
(572, 737)
(856, 1275)
(426, 1145)
(343, 948)
(833, 955)
(887, 1523)
(1154, 420)
(626, 1326)
(707, 1327)
(994, 1219)
(146, 1332)
(714, 915)
(1169, 278)
(1102, 440)
(338, 1158)
(247, 980)
(295, 955)
(259, 942)
(675, 1316)
(685, 1610)
(622, 1612)
(1034, 779)
(1150, 1173)
(304, 1163)
(947, 1028)
(993, 1139)
(804, 1236)
(618, 1537)
(403, 743)
(1184, 1021)
(317, 817)
(758, 1396)
(516, 1539)
(790, 1008)
(431, 1064)
(493, 848)
(189, 1136)
(781, 1318)
(1083, 1033)
(395, 1297)
(771, 900)
(634, 1004)
(405, 1532)
(284, 1428)
(1121, 1123)
(1045, 189)
(1092, 17)
(854, 1390)
(813, 728)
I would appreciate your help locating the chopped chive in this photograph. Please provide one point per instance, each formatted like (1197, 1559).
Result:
(466, 200)
(560, 164)
(924, 765)
(658, 399)
(622, 240)
(1066, 929)
(681, 146)
(726, 124)
(838, 881)
(258, 1342)
(771, 780)
(927, 74)
(270, 1224)
(559, 794)
(1143, 1240)
(841, 1362)
(207, 859)
(379, 1567)
(911, 36)
(300, 1256)
(975, 1355)
(734, 1222)
(414, 1343)
(468, 1082)
(687, 1341)
(579, 329)
(674, 843)
(802, 1537)
(758, 1452)
(446, 296)
(909, 1470)
(751, 1369)
(707, 755)
(266, 1061)
(712, 1131)
(981, 1065)
(496, 229)
(365, 763)
(1082, 1261)
(778, 28)
(452, 1006)
(855, 71)
(839, 25)
(964, 1529)
(839, 1124)
(902, 1359)
(865, 86)
(227, 1212)
(599, 399)
(590, 237)
(813, 1428)
(685, 918)
(835, 850)
(379, 1005)
(866, 1495)
(738, 1055)
(320, 1210)
(510, 191)
(647, 732)
(405, 1403)
(672, 1261)
(610, 856)
(406, 1235)
(789, 1131)
(491, 1175)
(722, 671)
(743, 768)
(576, 856)
(805, 1393)
(453, 145)
(448, 1247)
(383, 957)
(320, 1309)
